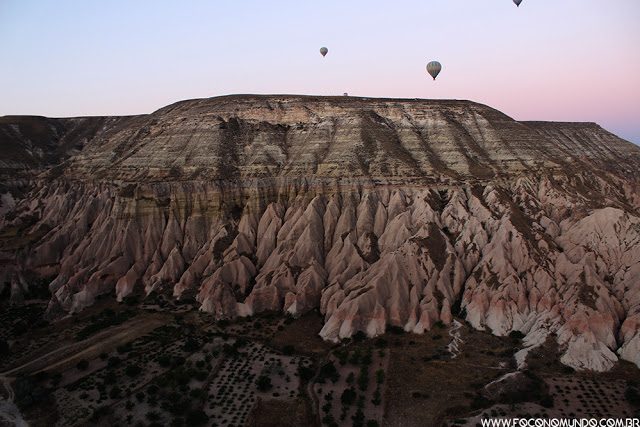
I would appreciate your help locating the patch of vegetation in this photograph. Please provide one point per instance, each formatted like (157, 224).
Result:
(288, 350)
(305, 373)
(396, 330)
(264, 383)
(516, 336)
(348, 397)
(632, 395)
(196, 417)
(132, 370)
(27, 392)
(363, 378)
(328, 371)
(359, 336)
(107, 318)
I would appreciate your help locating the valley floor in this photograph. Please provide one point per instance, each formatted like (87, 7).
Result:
(154, 362)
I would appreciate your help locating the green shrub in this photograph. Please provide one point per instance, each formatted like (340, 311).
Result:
(381, 343)
(196, 417)
(366, 358)
(516, 336)
(351, 378)
(328, 371)
(348, 397)
(164, 360)
(377, 399)
(397, 330)
(359, 336)
(264, 383)
(305, 373)
(191, 345)
(358, 418)
(546, 401)
(632, 395)
(329, 420)
(132, 370)
(363, 378)
(110, 377)
(288, 350)
(115, 392)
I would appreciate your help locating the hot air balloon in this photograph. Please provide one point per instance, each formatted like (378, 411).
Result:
(434, 68)
(324, 51)
(517, 2)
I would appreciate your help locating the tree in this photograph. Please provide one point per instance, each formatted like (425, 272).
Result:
(380, 376)
(329, 420)
(196, 417)
(632, 395)
(363, 378)
(328, 370)
(115, 392)
(164, 360)
(305, 372)
(264, 383)
(366, 359)
(516, 336)
(351, 378)
(381, 343)
(82, 365)
(288, 350)
(348, 397)
(132, 370)
(359, 336)
(377, 400)
(191, 345)
(110, 377)
(358, 418)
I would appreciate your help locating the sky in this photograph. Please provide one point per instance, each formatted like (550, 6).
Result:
(560, 60)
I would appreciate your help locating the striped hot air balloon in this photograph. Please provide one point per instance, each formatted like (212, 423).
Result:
(434, 68)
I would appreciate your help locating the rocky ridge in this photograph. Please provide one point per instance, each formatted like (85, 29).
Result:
(376, 211)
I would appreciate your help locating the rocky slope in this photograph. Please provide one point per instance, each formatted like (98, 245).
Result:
(376, 211)
(31, 144)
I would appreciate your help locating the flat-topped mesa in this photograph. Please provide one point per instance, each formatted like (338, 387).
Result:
(376, 211)
(235, 137)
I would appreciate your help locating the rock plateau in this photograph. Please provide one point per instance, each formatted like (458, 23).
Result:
(377, 212)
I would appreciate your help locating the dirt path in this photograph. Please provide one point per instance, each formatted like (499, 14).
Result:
(102, 342)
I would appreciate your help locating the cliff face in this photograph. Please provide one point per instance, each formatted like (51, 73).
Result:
(379, 212)
(30, 144)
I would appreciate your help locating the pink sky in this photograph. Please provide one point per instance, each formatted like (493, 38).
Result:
(575, 60)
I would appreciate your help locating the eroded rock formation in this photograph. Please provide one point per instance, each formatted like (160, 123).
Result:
(378, 212)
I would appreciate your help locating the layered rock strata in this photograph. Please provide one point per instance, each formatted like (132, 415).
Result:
(376, 211)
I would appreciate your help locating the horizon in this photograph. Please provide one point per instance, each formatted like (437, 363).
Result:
(93, 59)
